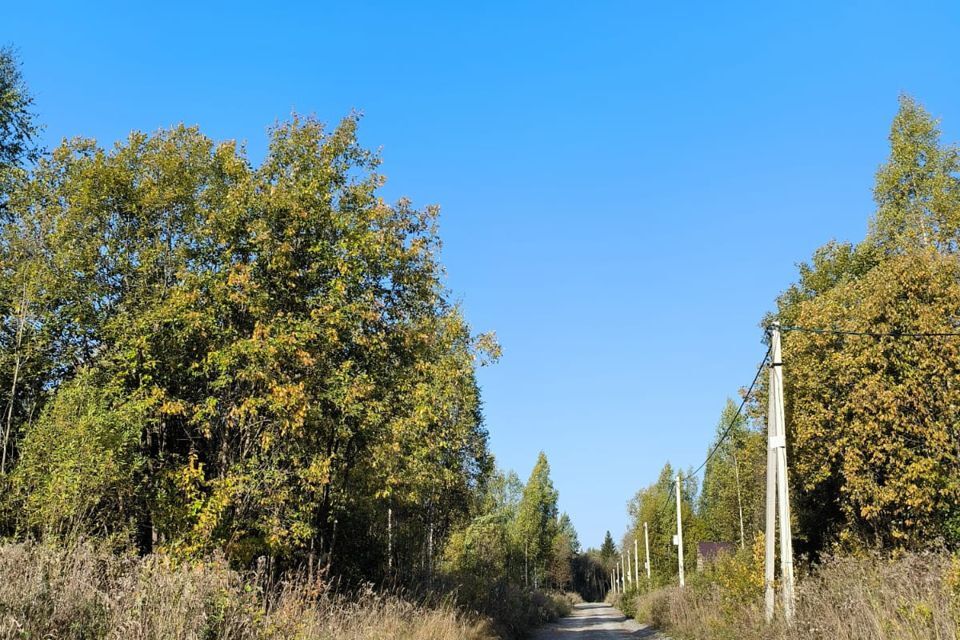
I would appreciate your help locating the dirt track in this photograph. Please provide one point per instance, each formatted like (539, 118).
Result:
(596, 621)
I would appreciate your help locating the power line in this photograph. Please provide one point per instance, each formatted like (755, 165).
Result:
(874, 334)
(666, 500)
(736, 416)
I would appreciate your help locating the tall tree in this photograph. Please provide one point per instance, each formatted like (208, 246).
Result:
(917, 194)
(608, 550)
(18, 277)
(731, 497)
(536, 523)
(18, 128)
(656, 505)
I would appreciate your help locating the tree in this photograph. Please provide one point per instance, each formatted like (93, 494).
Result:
(18, 128)
(565, 548)
(608, 550)
(536, 522)
(17, 290)
(732, 493)
(656, 505)
(917, 194)
(81, 462)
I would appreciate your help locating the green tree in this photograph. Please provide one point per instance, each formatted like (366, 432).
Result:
(536, 523)
(733, 481)
(608, 550)
(81, 461)
(565, 548)
(917, 195)
(17, 259)
(18, 128)
(656, 505)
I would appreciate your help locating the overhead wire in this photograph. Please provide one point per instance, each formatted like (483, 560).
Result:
(666, 500)
(872, 334)
(736, 416)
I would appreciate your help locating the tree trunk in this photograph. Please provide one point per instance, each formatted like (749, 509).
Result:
(17, 363)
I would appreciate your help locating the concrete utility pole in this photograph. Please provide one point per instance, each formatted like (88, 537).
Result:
(778, 489)
(636, 563)
(679, 538)
(646, 545)
(629, 572)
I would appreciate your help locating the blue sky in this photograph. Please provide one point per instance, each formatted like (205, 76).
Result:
(625, 186)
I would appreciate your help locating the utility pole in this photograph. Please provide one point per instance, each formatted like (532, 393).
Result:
(623, 580)
(778, 490)
(636, 563)
(679, 538)
(629, 572)
(646, 545)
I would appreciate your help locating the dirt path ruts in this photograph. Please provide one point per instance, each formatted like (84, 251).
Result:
(596, 621)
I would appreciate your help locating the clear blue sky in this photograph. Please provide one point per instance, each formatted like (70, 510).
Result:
(626, 186)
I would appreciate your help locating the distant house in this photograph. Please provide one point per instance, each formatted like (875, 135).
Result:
(708, 552)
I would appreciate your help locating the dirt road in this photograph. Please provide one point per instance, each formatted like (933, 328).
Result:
(596, 621)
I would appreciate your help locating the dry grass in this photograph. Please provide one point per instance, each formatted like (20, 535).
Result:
(81, 593)
(913, 596)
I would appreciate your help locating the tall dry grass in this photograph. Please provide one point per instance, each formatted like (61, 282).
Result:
(82, 593)
(873, 596)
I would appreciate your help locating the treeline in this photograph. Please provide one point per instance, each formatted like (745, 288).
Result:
(199, 354)
(871, 365)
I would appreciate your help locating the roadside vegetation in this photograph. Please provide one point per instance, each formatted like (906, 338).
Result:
(873, 440)
(239, 401)
(864, 596)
